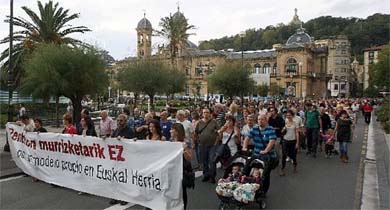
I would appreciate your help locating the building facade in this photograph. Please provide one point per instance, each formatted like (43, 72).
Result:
(370, 57)
(301, 67)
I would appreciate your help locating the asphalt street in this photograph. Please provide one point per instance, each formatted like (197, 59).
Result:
(319, 184)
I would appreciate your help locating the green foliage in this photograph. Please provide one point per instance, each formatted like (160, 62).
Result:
(383, 114)
(176, 82)
(146, 76)
(175, 29)
(262, 89)
(58, 70)
(50, 25)
(381, 70)
(363, 33)
(231, 80)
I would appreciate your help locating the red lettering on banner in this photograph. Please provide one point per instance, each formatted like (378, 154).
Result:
(115, 152)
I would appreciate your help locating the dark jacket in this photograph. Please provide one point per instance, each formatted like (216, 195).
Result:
(124, 132)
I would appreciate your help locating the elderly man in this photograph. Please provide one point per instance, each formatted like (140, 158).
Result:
(165, 125)
(107, 126)
(264, 138)
(188, 128)
(206, 136)
(123, 130)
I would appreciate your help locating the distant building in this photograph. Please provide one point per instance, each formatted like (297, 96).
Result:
(370, 57)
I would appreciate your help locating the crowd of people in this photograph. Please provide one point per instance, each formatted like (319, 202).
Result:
(274, 130)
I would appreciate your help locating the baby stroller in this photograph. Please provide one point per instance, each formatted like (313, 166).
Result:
(227, 200)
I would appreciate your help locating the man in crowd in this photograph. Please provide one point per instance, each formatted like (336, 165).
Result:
(206, 135)
(313, 126)
(165, 125)
(277, 122)
(250, 123)
(326, 123)
(106, 126)
(367, 109)
(189, 130)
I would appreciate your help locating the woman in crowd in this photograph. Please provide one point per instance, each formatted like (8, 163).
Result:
(154, 131)
(86, 127)
(69, 128)
(290, 143)
(178, 135)
(195, 120)
(343, 130)
(38, 126)
(230, 134)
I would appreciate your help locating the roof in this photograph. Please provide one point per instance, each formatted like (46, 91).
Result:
(376, 48)
(299, 37)
(271, 53)
(144, 23)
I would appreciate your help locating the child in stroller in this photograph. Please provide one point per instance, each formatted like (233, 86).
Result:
(238, 189)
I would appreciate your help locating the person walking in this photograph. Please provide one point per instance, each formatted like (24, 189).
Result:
(178, 135)
(313, 126)
(343, 130)
(206, 135)
(367, 109)
(290, 143)
(264, 137)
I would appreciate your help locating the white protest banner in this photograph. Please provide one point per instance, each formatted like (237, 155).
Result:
(148, 173)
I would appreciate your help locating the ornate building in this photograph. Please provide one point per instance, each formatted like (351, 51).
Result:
(370, 57)
(298, 68)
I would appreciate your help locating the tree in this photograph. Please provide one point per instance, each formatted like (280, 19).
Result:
(262, 89)
(176, 82)
(231, 80)
(51, 25)
(175, 29)
(381, 70)
(145, 76)
(64, 71)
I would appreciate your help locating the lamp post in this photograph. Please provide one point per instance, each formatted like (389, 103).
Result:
(10, 70)
(242, 35)
(301, 72)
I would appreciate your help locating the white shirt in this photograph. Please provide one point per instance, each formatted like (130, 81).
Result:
(22, 111)
(298, 120)
(245, 132)
(188, 128)
(232, 144)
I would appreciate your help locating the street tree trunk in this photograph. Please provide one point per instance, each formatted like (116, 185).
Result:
(57, 117)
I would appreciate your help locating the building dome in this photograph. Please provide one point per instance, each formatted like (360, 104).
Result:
(299, 37)
(191, 45)
(144, 24)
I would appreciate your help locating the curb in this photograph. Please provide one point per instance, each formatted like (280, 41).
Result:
(11, 175)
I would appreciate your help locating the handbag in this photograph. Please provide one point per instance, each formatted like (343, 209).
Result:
(223, 150)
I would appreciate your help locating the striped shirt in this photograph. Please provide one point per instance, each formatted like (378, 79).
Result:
(262, 138)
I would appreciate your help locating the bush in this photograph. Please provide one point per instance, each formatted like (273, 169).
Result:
(383, 114)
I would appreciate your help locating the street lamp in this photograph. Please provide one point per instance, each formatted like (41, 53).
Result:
(242, 35)
(301, 72)
(10, 70)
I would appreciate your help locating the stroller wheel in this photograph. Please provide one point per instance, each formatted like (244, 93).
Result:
(262, 204)
(222, 206)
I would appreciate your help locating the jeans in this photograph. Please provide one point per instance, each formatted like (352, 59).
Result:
(290, 151)
(367, 117)
(197, 153)
(207, 156)
(312, 139)
(343, 148)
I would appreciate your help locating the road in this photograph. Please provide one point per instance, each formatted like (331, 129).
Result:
(319, 184)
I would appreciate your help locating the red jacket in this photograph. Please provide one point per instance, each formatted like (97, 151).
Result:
(367, 108)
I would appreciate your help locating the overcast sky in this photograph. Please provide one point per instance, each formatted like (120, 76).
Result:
(113, 22)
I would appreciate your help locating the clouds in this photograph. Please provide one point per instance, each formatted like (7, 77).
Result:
(113, 22)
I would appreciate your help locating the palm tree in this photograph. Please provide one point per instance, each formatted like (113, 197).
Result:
(51, 25)
(175, 30)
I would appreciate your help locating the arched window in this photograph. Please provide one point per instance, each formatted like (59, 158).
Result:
(266, 68)
(291, 65)
(274, 68)
(257, 68)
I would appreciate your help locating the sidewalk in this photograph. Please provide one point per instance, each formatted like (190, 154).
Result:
(7, 165)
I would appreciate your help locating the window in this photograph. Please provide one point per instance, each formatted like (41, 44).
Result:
(266, 68)
(336, 86)
(187, 88)
(342, 86)
(371, 54)
(188, 70)
(370, 61)
(343, 52)
(336, 77)
(274, 68)
(291, 65)
(257, 68)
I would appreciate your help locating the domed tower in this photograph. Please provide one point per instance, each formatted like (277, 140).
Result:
(144, 38)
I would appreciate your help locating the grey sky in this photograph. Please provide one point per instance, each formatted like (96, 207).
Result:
(113, 22)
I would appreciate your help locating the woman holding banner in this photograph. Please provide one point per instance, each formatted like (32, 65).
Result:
(178, 135)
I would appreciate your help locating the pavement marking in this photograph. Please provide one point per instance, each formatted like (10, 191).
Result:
(11, 178)
(119, 207)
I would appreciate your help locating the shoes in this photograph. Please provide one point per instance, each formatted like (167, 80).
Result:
(205, 179)
(282, 172)
(113, 202)
(123, 203)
